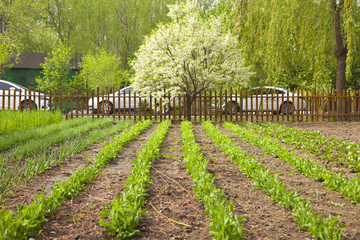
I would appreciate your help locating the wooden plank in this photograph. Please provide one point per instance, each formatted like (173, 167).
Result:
(237, 101)
(151, 107)
(210, 105)
(134, 105)
(246, 106)
(225, 104)
(216, 106)
(205, 106)
(200, 106)
(256, 105)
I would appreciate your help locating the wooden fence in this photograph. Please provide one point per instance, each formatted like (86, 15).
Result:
(227, 105)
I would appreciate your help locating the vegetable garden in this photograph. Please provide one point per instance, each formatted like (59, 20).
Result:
(90, 178)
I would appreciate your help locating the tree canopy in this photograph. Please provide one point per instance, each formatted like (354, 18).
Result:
(102, 68)
(292, 43)
(187, 56)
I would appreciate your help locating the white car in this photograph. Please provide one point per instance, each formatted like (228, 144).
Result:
(16, 97)
(266, 99)
(120, 100)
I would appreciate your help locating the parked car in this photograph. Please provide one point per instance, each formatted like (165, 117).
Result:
(270, 99)
(20, 97)
(120, 100)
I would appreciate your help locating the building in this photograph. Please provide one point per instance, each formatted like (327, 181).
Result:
(29, 67)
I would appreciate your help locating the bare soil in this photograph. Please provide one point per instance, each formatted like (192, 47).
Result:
(173, 210)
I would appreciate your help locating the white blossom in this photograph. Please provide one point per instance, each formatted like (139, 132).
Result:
(188, 55)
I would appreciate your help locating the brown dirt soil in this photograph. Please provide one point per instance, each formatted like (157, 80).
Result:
(348, 131)
(173, 211)
(43, 181)
(263, 218)
(322, 200)
(78, 218)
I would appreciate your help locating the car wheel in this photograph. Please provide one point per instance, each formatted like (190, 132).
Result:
(287, 108)
(232, 108)
(106, 107)
(25, 105)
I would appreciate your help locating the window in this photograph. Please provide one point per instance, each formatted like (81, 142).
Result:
(5, 86)
(128, 90)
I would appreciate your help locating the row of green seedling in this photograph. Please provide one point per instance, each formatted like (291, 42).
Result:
(24, 120)
(276, 189)
(347, 187)
(29, 218)
(338, 151)
(11, 175)
(224, 224)
(39, 144)
(124, 212)
(21, 136)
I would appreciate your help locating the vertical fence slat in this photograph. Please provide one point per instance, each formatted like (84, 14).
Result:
(151, 107)
(246, 106)
(226, 103)
(210, 106)
(135, 106)
(237, 102)
(200, 106)
(314, 105)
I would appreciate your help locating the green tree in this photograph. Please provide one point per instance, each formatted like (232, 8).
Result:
(21, 22)
(292, 43)
(187, 56)
(116, 26)
(55, 69)
(8, 53)
(102, 70)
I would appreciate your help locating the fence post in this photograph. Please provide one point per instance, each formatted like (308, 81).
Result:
(50, 100)
(200, 106)
(256, 105)
(210, 105)
(246, 106)
(14, 100)
(119, 106)
(226, 104)
(3, 99)
(237, 105)
(272, 106)
(113, 105)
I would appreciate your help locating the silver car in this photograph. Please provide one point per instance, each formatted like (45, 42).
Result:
(17, 97)
(120, 100)
(266, 99)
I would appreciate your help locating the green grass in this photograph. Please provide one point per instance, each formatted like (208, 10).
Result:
(19, 136)
(40, 144)
(24, 120)
(13, 173)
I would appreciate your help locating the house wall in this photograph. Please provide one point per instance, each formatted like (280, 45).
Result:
(26, 77)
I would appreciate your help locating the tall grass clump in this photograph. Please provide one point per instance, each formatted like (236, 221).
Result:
(24, 120)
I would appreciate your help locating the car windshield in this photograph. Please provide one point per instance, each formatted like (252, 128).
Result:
(14, 85)
(10, 85)
(125, 90)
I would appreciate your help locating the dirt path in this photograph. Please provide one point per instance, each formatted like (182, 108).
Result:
(323, 201)
(43, 181)
(174, 212)
(264, 219)
(78, 218)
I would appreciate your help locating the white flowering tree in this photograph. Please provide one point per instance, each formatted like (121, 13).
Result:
(187, 56)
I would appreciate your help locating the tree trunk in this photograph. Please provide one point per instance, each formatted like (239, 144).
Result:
(189, 101)
(340, 52)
